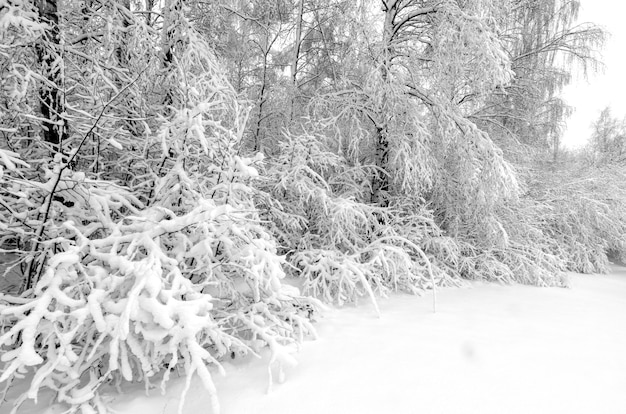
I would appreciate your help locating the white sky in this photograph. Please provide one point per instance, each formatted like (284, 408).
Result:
(606, 88)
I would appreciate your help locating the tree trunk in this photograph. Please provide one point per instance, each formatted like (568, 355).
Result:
(296, 57)
(380, 181)
(296, 48)
(262, 99)
(50, 94)
(172, 10)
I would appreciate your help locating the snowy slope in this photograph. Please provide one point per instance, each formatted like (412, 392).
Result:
(488, 349)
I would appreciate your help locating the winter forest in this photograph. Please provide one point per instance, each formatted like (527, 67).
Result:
(188, 182)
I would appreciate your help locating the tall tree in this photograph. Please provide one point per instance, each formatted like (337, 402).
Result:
(544, 42)
(608, 135)
(426, 64)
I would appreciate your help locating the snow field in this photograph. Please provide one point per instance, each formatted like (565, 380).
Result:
(488, 349)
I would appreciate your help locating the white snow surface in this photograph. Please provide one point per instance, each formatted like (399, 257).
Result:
(488, 349)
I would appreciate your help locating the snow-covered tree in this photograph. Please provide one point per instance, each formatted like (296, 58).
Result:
(608, 135)
(545, 43)
(164, 166)
(140, 244)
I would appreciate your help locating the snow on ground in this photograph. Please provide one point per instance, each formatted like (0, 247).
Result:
(488, 349)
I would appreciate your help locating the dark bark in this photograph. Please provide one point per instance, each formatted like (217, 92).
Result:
(262, 99)
(172, 28)
(50, 94)
(380, 181)
(401, 18)
(297, 44)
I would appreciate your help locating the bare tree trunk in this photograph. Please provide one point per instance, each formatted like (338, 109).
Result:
(266, 48)
(149, 9)
(380, 181)
(121, 51)
(171, 22)
(262, 99)
(296, 48)
(296, 57)
(50, 94)
(556, 142)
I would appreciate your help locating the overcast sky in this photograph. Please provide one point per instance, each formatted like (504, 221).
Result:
(607, 88)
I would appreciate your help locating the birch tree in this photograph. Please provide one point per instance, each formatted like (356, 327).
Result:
(545, 42)
(608, 135)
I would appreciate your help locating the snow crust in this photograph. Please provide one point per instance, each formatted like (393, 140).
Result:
(488, 349)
